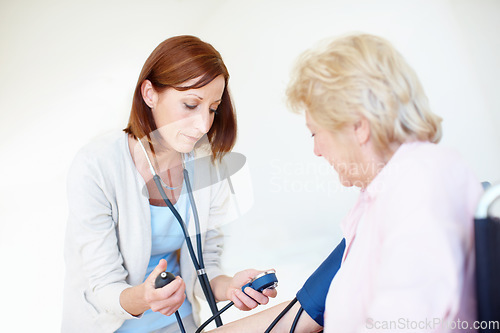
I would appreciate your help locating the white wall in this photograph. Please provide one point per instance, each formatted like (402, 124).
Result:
(68, 70)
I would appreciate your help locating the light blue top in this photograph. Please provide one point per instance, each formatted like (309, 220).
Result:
(167, 238)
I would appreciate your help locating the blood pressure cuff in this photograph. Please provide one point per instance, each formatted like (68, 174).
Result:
(312, 296)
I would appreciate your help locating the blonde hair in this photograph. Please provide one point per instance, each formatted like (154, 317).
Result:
(363, 76)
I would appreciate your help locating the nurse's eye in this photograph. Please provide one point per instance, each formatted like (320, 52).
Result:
(190, 107)
(214, 111)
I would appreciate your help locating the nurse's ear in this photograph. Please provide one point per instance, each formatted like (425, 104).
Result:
(362, 130)
(149, 94)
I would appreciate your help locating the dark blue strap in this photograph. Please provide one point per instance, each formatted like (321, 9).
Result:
(312, 296)
(487, 235)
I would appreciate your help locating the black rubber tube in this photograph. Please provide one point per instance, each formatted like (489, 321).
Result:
(203, 278)
(179, 321)
(289, 306)
(209, 320)
(296, 320)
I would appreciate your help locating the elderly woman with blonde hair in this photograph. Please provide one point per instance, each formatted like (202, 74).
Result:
(408, 263)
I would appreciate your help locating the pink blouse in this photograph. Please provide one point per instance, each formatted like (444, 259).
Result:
(409, 259)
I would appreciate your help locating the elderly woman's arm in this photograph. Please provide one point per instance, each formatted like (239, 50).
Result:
(260, 321)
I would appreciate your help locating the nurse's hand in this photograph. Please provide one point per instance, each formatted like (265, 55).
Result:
(165, 300)
(252, 298)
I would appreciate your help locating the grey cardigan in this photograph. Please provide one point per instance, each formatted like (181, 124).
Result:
(108, 235)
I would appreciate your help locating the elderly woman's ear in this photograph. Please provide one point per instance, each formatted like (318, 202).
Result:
(362, 130)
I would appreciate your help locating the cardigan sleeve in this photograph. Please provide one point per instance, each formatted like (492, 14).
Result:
(93, 235)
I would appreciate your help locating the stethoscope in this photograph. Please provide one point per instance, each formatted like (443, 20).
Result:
(197, 262)
(263, 281)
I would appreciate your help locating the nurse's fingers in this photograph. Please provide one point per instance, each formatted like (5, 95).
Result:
(270, 292)
(161, 267)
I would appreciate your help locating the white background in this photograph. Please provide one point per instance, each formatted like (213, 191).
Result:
(68, 70)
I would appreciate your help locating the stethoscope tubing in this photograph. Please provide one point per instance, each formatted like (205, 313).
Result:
(199, 266)
(195, 216)
(198, 263)
(296, 320)
(214, 317)
(179, 321)
(281, 315)
(174, 211)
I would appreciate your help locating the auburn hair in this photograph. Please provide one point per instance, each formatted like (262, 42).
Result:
(172, 63)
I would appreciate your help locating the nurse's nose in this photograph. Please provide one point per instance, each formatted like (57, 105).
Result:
(204, 120)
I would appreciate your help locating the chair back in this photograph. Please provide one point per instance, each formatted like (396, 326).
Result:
(487, 239)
